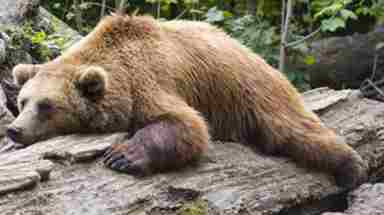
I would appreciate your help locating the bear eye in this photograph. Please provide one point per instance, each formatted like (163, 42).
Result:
(23, 103)
(45, 106)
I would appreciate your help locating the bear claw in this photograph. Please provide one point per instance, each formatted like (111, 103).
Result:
(127, 158)
(112, 158)
(120, 164)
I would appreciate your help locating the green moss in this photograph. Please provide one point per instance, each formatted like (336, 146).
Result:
(34, 41)
(198, 207)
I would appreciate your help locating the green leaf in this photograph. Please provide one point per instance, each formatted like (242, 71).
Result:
(379, 45)
(331, 10)
(39, 37)
(347, 14)
(191, 1)
(310, 60)
(195, 11)
(84, 6)
(332, 24)
(364, 11)
(214, 15)
(56, 5)
(69, 15)
(291, 76)
(227, 14)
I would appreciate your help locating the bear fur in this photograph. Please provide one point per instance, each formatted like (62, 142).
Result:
(173, 85)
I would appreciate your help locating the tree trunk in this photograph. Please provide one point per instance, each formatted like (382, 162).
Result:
(78, 15)
(251, 7)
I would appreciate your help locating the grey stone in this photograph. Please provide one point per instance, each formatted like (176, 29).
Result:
(15, 11)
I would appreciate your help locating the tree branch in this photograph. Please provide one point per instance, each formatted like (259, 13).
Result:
(78, 14)
(102, 12)
(284, 32)
(294, 43)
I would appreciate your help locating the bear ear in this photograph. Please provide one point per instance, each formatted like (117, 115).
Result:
(23, 72)
(91, 81)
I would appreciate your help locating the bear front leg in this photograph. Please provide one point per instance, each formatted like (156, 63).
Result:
(168, 143)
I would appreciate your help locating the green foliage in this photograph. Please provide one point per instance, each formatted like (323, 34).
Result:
(376, 9)
(333, 13)
(258, 34)
(310, 60)
(214, 15)
(299, 79)
(34, 40)
(167, 2)
(38, 37)
(330, 15)
(269, 9)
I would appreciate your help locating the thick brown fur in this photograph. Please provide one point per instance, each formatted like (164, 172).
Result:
(174, 79)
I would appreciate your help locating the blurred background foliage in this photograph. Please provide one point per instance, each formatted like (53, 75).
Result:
(255, 23)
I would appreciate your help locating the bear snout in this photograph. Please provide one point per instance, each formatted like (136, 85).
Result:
(14, 133)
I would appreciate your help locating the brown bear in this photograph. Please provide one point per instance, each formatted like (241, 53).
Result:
(173, 86)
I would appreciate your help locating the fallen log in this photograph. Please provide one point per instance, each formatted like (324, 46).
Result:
(231, 179)
(343, 62)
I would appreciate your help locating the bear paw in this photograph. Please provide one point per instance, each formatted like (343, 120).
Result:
(352, 172)
(128, 158)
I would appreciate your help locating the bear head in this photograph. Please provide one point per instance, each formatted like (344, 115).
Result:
(53, 99)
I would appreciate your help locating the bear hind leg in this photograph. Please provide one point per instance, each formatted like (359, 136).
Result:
(326, 151)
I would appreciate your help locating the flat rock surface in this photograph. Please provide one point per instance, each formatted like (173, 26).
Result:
(66, 176)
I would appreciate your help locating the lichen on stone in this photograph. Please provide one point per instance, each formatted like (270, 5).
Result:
(197, 207)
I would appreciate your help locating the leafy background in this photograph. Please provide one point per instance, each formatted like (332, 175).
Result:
(255, 23)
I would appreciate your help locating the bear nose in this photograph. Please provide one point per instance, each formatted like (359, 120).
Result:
(14, 133)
